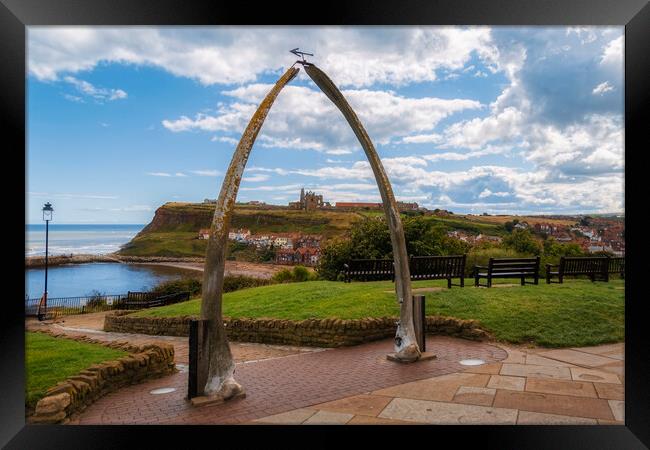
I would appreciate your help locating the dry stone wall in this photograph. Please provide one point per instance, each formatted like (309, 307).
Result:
(77, 392)
(310, 332)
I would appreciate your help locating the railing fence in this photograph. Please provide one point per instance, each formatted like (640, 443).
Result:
(62, 306)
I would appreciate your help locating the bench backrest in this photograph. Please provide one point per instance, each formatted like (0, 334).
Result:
(582, 265)
(616, 265)
(369, 269)
(524, 266)
(437, 267)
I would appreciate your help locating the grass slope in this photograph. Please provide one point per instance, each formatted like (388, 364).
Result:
(576, 313)
(174, 229)
(49, 360)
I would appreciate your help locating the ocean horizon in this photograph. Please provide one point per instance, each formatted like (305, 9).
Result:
(65, 239)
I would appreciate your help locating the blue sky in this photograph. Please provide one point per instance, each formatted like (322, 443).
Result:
(503, 120)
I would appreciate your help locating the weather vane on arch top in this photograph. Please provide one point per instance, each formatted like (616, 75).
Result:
(301, 55)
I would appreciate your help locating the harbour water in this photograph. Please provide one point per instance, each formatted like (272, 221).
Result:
(73, 280)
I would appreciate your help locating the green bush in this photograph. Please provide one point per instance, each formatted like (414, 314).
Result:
(96, 300)
(194, 285)
(283, 276)
(522, 241)
(191, 285)
(237, 282)
(296, 275)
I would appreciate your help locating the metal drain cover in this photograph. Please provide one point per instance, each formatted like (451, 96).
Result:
(162, 391)
(472, 362)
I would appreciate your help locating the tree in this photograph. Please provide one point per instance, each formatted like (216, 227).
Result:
(554, 248)
(522, 241)
(370, 239)
(510, 225)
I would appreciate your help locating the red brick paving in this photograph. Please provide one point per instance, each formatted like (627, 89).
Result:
(286, 383)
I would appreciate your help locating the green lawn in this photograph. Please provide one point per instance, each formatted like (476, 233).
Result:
(576, 313)
(49, 360)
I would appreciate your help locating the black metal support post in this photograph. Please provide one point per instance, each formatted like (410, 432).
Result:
(419, 321)
(47, 237)
(198, 358)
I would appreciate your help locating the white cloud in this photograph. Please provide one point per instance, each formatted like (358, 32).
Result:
(256, 178)
(602, 88)
(353, 56)
(71, 196)
(206, 173)
(422, 139)
(478, 132)
(133, 208)
(99, 94)
(226, 139)
(456, 156)
(296, 119)
(613, 53)
(586, 35)
(592, 147)
(166, 174)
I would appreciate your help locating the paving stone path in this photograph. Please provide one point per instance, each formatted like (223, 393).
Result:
(242, 351)
(583, 386)
(285, 383)
(357, 385)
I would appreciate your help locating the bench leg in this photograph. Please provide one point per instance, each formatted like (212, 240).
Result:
(561, 279)
(489, 284)
(476, 280)
(462, 281)
(536, 280)
(523, 281)
(548, 278)
(448, 283)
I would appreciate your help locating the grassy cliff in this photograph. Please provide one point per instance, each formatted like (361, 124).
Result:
(174, 228)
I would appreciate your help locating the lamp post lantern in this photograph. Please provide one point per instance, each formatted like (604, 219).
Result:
(47, 216)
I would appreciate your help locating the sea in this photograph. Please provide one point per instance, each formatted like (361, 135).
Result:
(73, 280)
(78, 239)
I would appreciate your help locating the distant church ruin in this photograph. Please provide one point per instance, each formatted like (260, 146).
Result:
(308, 201)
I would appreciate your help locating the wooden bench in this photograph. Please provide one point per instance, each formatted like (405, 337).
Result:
(438, 268)
(421, 268)
(369, 270)
(617, 265)
(508, 268)
(595, 267)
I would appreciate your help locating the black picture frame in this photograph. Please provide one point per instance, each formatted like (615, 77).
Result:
(16, 15)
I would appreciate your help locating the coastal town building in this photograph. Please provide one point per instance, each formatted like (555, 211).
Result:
(240, 235)
(306, 256)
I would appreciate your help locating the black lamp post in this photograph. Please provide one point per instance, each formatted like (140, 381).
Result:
(47, 216)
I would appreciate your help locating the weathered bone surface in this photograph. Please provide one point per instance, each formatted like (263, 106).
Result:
(221, 367)
(406, 347)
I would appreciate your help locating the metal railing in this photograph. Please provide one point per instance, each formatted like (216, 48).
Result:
(63, 306)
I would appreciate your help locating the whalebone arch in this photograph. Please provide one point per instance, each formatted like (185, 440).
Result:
(220, 368)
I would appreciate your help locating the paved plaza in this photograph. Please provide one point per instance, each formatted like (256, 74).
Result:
(357, 385)
(580, 386)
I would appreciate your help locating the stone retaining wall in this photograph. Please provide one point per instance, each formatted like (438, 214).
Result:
(311, 332)
(77, 392)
